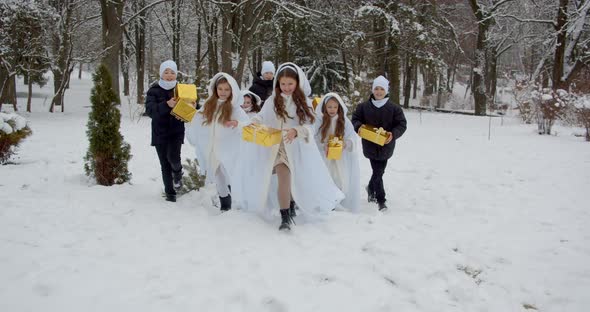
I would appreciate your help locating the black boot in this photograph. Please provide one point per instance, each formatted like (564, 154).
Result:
(171, 198)
(177, 180)
(285, 220)
(225, 202)
(382, 206)
(371, 197)
(292, 212)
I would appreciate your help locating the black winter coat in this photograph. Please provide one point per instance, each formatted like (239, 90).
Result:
(389, 116)
(165, 127)
(262, 88)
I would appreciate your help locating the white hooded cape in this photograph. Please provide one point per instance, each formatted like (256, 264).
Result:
(215, 144)
(312, 187)
(347, 167)
(255, 97)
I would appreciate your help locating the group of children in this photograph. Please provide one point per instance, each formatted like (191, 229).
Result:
(294, 173)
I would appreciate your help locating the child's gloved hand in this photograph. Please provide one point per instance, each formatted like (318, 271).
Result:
(171, 102)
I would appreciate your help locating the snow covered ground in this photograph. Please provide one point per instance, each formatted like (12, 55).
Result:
(474, 225)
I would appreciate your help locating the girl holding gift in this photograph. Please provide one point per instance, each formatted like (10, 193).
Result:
(333, 123)
(167, 131)
(379, 112)
(300, 172)
(251, 103)
(214, 133)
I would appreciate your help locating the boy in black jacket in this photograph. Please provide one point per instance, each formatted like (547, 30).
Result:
(378, 111)
(262, 85)
(167, 131)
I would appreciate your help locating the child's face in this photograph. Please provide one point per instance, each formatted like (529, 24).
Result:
(379, 93)
(332, 107)
(247, 102)
(287, 85)
(223, 91)
(268, 76)
(169, 75)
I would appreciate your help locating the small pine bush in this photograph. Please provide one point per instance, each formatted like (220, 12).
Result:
(108, 155)
(192, 180)
(13, 129)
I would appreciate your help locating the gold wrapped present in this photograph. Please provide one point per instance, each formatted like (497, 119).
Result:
(183, 111)
(373, 134)
(185, 94)
(335, 145)
(316, 101)
(262, 135)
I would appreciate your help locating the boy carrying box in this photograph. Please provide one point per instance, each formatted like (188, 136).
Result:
(379, 115)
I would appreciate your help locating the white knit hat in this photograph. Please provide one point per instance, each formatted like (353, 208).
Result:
(267, 67)
(168, 64)
(381, 82)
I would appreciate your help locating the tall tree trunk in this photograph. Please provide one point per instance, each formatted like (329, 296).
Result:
(140, 50)
(558, 62)
(492, 77)
(212, 48)
(151, 68)
(8, 91)
(123, 53)
(250, 19)
(30, 94)
(407, 80)
(112, 35)
(284, 52)
(415, 80)
(380, 57)
(198, 61)
(227, 42)
(393, 69)
(175, 12)
(440, 88)
(478, 87)
(346, 74)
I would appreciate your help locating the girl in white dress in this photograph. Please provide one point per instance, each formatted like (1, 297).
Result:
(215, 132)
(301, 172)
(332, 122)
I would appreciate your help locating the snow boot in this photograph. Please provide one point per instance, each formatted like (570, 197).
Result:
(177, 180)
(382, 206)
(285, 220)
(371, 197)
(171, 198)
(225, 202)
(292, 212)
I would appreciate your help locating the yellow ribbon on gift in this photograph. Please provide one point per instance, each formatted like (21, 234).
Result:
(258, 127)
(335, 141)
(379, 131)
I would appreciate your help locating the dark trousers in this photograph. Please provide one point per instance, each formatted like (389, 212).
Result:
(376, 182)
(169, 155)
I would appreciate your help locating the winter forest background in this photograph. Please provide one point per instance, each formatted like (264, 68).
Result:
(484, 213)
(506, 54)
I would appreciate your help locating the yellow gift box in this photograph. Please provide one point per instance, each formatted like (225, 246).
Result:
(373, 134)
(315, 102)
(262, 135)
(184, 94)
(185, 91)
(335, 145)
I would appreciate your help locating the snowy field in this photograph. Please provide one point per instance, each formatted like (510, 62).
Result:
(474, 224)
